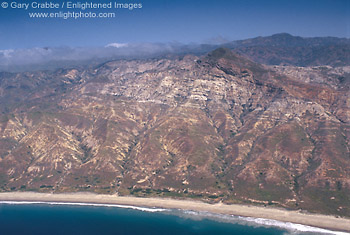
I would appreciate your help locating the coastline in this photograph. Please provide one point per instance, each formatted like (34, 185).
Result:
(315, 220)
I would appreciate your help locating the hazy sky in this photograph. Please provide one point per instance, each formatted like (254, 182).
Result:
(177, 21)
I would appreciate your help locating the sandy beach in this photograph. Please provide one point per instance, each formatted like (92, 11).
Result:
(316, 220)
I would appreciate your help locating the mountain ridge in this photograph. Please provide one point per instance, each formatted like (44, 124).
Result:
(278, 49)
(285, 49)
(218, 127)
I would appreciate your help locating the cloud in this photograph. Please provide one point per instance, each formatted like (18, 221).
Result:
(58, 57)
(6, 53)
(117, 45)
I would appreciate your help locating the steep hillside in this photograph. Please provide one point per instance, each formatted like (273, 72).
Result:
(215, 127)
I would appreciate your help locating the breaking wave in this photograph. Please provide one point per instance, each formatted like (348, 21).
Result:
(291, 228)
(146, 209)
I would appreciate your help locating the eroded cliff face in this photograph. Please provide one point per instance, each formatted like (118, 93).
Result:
(217, 127)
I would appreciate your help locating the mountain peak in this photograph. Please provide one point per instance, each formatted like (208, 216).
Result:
(282, 35)
(227, 54)
(229, 60)
(221, 53)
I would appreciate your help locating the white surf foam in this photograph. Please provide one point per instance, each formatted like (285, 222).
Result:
(146, 209)
(292, 228)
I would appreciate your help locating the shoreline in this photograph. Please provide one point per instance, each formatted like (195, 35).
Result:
(314, 220)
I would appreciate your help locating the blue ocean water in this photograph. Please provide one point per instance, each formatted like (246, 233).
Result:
(85, 219)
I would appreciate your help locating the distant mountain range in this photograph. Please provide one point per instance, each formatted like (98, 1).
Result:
(285, 49)
(278, 49)
(216, 127)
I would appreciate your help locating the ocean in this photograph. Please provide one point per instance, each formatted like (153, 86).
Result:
(21, 218)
